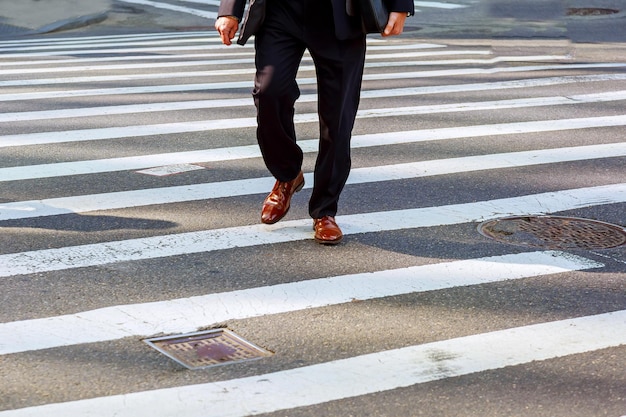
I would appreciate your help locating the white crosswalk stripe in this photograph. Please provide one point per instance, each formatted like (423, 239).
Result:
(221, 124)
(124, 199)
(303, 68)
(359, 141)
(144, 88)
(527, 83)
(306, 81)
(360, 375)
(303, 118)
(287, 231)
(174, 315)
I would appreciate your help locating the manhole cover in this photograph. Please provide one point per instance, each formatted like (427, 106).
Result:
(590, 11)
(208, 348)
(554, 232)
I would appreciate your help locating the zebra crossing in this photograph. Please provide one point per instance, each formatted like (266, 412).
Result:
(82, 117)
(378, 372)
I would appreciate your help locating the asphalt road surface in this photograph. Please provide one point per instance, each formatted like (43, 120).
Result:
(131, 187)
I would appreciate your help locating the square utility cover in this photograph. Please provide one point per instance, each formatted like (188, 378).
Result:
(207, 348)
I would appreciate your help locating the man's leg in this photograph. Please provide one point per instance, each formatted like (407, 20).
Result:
(339, 66)
(339, 70)
(278, 56)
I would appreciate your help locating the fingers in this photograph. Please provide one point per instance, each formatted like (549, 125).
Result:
(395, 24)
(227, 28)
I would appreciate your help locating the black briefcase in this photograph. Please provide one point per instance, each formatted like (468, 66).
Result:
(374, 14)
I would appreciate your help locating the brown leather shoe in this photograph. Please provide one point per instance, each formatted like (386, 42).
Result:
(276, 204)
(326, 231)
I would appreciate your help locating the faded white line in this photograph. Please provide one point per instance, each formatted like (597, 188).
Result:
(121, 58)
(76, 46)
(438, 5)
(189, 314)
(121, 50)
(289, 231)
(211, 38)
(252, 151)
(121, 40)
(186, 61)
(305, 81)
(102, 38)
(180, 9)
(204, 34)
(360, 375)
(215, 3)
(194, 192)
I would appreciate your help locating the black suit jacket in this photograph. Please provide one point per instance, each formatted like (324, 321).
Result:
(346, 26)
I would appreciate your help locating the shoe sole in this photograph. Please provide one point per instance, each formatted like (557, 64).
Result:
(326, 241)
(329, 242)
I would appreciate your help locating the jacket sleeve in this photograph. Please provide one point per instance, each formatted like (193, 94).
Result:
(401, 6)
(232, 8)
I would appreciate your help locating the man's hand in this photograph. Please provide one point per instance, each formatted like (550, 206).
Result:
(395, 24)
(227, 27)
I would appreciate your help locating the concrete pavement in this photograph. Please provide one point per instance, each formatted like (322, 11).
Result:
(25, 17)
(546, 19)
(580, 21)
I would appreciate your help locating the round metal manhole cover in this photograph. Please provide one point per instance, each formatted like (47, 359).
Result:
(590, 11)
(554, 232)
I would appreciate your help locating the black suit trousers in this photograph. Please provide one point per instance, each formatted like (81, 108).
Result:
(290, 28)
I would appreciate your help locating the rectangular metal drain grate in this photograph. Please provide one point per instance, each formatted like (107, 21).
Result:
(207, 348)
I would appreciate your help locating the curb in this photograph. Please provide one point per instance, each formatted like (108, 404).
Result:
(72, 23)
(65, 24)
